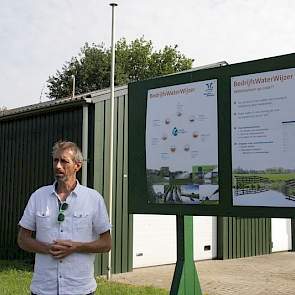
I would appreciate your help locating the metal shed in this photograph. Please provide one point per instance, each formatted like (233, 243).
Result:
(27, 135)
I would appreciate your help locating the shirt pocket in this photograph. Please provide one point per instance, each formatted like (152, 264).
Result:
(82, 227)
(43, 220)
(44, 226)
(81, 220)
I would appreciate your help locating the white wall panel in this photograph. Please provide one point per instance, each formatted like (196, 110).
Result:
(154, 239)
(205, 237)
(281, 234)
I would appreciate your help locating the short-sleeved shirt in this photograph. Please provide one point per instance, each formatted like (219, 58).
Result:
(85, 219)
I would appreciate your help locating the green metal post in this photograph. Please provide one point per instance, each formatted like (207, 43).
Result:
(185, 279)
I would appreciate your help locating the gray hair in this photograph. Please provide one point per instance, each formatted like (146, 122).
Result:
(64, 145)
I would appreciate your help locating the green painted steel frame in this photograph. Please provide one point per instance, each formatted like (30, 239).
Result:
(185, 280)
(138, 196)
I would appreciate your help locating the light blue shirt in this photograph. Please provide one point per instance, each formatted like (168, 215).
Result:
(85, 219)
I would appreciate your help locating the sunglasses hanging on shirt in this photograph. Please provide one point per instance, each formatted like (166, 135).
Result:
(62, 208)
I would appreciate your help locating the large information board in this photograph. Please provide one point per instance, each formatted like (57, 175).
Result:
(218, 141)
(182, 145)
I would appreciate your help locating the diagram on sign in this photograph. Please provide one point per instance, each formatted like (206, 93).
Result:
(181, 144)
(263, 139)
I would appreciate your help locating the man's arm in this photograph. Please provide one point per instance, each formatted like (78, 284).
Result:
(63, 248)
(102, 245)
(29, 244)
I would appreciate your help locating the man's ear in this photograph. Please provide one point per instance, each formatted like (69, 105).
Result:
(78, 166)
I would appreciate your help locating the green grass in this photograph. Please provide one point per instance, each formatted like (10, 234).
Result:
(279, 177)
(15, 278)
(112, 288)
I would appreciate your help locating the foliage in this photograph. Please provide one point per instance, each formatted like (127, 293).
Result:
(134, 61)
(15, 278)
(3, 109)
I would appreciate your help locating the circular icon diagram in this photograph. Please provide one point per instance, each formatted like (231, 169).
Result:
(173, 148)
(195, 134)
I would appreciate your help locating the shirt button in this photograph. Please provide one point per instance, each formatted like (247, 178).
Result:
(61, 230)
(60, 277)
(60, 261)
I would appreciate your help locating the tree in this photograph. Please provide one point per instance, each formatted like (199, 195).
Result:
(134, 61)
(3, 109)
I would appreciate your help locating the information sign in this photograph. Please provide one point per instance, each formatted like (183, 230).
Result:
(263, 139)
(182, 144)
(216, 141)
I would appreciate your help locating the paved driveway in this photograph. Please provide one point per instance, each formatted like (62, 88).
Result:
(261, 275)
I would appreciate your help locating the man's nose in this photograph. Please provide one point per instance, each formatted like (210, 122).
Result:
(58, 164)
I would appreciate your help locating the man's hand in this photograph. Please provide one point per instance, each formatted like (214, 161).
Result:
(62, 248)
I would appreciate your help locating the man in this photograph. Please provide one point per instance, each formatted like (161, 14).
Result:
(71, 224)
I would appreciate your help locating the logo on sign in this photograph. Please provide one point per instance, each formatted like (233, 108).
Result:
(175, 131)
(209, 89)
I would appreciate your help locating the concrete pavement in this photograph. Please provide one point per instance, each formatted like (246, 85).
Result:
(260, 275)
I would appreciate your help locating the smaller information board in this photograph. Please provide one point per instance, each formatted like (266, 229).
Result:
(263, 139)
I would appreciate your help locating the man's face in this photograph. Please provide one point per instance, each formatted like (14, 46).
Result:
(64, 165)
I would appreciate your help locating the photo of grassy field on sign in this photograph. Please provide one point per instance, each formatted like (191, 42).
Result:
(271, 187)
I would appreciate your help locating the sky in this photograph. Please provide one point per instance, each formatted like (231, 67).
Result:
(38, 37)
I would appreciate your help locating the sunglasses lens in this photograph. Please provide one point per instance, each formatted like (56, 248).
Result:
(64, 206)
(61, 217)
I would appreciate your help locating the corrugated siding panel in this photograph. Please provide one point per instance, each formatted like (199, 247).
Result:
(25, 155)
(293, 233)
(243, 237)
(122, 222)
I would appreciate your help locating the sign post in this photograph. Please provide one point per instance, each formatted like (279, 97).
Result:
(185, 279)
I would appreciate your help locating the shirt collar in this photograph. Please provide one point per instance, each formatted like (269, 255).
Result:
(75, 191)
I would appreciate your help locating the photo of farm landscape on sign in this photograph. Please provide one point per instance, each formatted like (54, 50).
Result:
(263, 139)
(181, 144)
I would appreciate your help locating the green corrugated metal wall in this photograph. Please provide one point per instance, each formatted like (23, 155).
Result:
(25, 157)
(243, 237)
(122, 234)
